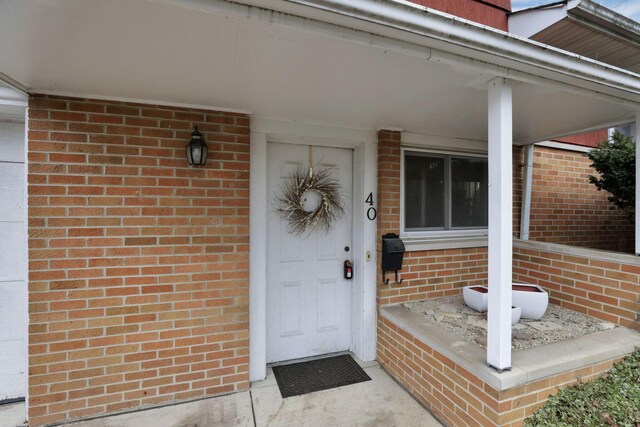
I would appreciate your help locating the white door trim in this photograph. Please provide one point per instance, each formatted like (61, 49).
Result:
(364, 144)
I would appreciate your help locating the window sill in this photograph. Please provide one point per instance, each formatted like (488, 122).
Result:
(422, 243)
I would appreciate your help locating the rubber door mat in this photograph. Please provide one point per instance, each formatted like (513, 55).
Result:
(319, 374)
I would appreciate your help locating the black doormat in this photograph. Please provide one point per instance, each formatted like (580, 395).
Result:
(320, 374)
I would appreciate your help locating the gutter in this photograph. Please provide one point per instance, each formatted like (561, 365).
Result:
(608, 18)
(510, 56)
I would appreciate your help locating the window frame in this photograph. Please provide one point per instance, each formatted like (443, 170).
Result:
(438, 232)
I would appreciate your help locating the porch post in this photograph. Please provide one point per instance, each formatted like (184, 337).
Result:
(525, 214)
(500, 225)
(637, 213)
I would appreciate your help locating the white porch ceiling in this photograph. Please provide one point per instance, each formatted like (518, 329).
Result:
(160, 52)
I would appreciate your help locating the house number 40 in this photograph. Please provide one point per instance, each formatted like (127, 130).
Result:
(371, 212)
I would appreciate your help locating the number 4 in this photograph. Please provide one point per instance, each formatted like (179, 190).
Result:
(369, 199)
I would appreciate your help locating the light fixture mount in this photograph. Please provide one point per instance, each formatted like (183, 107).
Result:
(197, 149)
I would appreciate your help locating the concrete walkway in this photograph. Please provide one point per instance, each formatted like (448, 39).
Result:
(12, 414)
(379, 402)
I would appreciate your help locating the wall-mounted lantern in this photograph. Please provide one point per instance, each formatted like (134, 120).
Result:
(197, 149)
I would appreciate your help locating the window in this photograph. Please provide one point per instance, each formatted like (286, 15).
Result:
(444, 192)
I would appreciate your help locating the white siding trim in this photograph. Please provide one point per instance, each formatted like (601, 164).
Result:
(564, 146)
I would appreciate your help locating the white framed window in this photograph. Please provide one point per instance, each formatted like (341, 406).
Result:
(443, 194)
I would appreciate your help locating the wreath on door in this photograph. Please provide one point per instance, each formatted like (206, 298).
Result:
(311, 200)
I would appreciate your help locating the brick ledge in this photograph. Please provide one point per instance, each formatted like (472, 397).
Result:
(598, 254)
(527, 365)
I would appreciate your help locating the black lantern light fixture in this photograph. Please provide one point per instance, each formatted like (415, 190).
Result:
(197, 149)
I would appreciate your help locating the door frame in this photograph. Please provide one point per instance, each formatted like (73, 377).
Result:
(363, 313)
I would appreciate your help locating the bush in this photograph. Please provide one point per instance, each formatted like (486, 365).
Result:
(615, 162)
(613, 399)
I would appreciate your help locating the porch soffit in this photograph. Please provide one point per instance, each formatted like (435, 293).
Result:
(576, 37)
(583, 27)
(279, 66)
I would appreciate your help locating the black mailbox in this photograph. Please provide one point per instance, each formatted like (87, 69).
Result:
(392, 254)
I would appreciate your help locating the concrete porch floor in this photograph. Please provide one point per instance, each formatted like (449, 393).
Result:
(379, 402)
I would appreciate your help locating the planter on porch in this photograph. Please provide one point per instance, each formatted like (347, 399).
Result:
(476, 297)
(532, 298)
(516, 313)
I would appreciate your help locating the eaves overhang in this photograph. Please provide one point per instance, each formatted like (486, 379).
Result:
(607, 18)
(585, 28)
(455, 39)
(357, 64)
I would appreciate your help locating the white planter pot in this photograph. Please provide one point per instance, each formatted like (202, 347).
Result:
(516, 312)
(476, 297)
(533, 302)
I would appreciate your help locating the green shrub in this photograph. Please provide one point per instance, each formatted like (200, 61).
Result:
(615, 162)
(613, 399)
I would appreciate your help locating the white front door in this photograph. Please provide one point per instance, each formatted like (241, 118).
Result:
(308, 298)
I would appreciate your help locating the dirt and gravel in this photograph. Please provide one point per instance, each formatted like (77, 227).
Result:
(557, 324)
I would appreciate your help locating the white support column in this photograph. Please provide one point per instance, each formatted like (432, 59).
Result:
(637, 213)
(500, 225)
(525, 213)
(257, 257)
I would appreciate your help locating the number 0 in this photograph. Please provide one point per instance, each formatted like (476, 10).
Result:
(372, 214)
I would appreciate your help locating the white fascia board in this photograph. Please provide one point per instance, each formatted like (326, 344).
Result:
(12, 97)
(469, 43)
(530, 22)
(16, 86)
(563, 146)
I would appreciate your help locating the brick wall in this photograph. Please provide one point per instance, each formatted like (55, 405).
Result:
(138, 270)
(589, 139)
(432, 274)
(425, 274)
(567, 209)
(604, 289)
(456, 396)
(493, 13)
(388, 182)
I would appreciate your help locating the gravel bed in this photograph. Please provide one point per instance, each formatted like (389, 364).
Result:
(557, 324)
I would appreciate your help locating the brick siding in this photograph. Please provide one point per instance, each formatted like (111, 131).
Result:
(493, 13)
(432, 274)
(425, 274)
(589, 139)
(138, 264)
(603, 289)
(388, 182)
(566, 208)
(457, 397)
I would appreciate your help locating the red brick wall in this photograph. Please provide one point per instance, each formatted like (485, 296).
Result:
(566, 208)
(603, 289)
(138, 270)
(589, 139)
(456, 396)
(493, 13)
